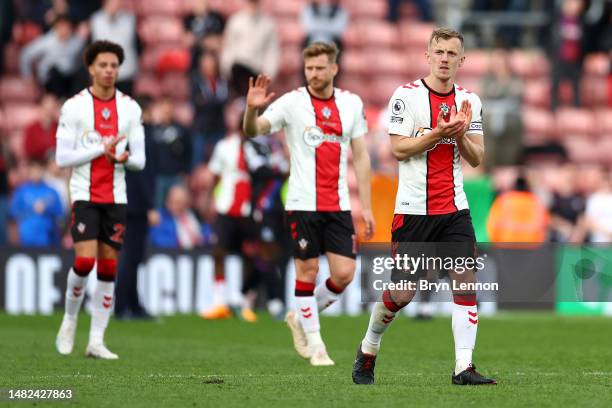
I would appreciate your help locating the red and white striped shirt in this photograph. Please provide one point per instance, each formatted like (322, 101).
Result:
(318, 133)
(432, 182)
(85, 122)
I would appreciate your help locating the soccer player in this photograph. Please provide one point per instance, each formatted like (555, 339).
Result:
(321, 123)
(96, 128)
(429, 136)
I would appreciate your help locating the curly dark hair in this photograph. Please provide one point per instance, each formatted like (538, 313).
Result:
(97, 47)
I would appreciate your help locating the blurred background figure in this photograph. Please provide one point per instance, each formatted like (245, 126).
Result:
(36, 209)
(599, 209)
(568, 49)
(203, 30)
(39, 136)
(7, 18)
(114, 24)
(172, 149)
(56, 55)
(209, 94)
(423, 7)
(250, 47)
(178, 226)
(502, 97)
(141, 214)
(325, 21)
(567, 207)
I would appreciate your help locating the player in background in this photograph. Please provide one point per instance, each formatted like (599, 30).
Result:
(321, 123)
(429, 136)
(99, 135)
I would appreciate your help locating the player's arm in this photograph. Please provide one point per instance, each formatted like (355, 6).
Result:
(404, 147)
(68, 153)
(257, 98)
(470, 139)
(136, 159)
(361, 163)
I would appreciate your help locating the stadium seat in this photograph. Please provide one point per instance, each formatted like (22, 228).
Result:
(476, 63)
(355, 62)
(415, 35)
(357, 84)
(161, 30)
(176, 86)
(529, 63)
(593, 91)
(375, 10)
(418, 67)
(147, 84)
(19, 115)
(597, 64)
(17, 89)
(603, 121)
(11, 58)
(289, 9)
(290, 33)
(291, 63)
(539, 124)
(381, 89)
(165, 8)
(470, 83)
(26, 31)
(581, 150)
(604, 147)
(378, 34)
(572, 121)
(173, 60)
(389, 62)
(536, 93)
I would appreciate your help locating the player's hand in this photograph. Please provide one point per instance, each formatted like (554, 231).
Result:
(447, 128)
(258, 96)
(110, 150)
(369, 224)
(465, 115)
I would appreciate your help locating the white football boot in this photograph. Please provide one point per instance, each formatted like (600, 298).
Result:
(64, 342)
(100, 351)
(320, 357)
(299, 337)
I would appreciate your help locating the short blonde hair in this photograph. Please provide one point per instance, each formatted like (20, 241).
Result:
(445, 34)
(319, 48)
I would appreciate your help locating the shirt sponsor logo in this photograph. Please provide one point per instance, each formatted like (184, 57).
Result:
(313, 136)
(91, 138)
(398, 107)
(397, 119)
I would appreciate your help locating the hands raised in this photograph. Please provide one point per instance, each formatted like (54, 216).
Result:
(458, 122)
(110, 145)
(257, 97)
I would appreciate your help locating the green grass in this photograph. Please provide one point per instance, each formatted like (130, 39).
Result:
(539, 359)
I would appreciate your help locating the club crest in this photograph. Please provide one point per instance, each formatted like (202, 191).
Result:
(303, 244)
(106, 113)
(81, 228)
(444, 108)
(326, 112)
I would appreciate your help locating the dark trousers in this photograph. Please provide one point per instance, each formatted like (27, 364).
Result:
(565, 71)
(131, 255)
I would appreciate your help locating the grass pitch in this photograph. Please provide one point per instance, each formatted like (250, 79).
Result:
(539, 360)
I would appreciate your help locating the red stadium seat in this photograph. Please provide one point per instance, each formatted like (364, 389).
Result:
(593, 91)
(470, 83)
(173, 60)
(418, 67)
(382, 88)
(389, 62)
(379, 34)
(357, 84)
(581, 150)
(289, 32)
(161, 30)
(17, 89)
(529, 63)
(536, 93)
(539, 124)
(603, 121)
(25, 32)
(147, 84)
(291, 63)
(476, 63)
(597, 64)
(604, 147)
(166, 8)
(571, 121)
(11, 58)
(19, 115)
(355, 62)
(415, 35)
(290, 9)
(375, 10)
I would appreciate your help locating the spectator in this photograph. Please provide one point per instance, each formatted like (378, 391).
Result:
(502, 95)
(250, 47)
(599, 212)
(39, 136)
(37, 210)
(172, 149)
(56, 55)
(567, 207)
(518, 216)
(422, 5)
(209, 94)
(325, 21)
(119, 26)
(567, 47)
(7, 18)
(178, 226)
(44, 12)
(203, 29)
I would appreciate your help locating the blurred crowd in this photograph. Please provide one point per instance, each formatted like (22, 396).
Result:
(546, 102)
